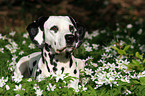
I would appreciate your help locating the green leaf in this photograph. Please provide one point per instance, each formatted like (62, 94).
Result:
(121, 52)
(135, 82)
(144, 61)
(138, 55)
(126, 47)
(142, 80)
(135, 62)
(1, 90)
(115, 48)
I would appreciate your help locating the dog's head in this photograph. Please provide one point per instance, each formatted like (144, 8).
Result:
(59, 33)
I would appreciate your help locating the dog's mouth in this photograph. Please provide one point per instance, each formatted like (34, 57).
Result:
(68, 48)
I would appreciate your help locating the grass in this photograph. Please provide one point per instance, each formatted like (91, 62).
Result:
(114, 61)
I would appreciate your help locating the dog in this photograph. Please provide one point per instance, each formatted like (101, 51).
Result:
(57, 37)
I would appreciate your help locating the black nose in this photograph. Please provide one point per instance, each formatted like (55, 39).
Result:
(69, 39)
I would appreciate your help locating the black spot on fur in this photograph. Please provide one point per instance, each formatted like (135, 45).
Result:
(56, 60)
(71, 62)
(47, 67)
(68, 55)
(55, 64)
(75, 71)
(47, 47)
(54, 43)
(62, 69)
(34, 63)
(54, 69)
(45, 54)
(43, 59)
(33, 30)
(30, 70)
(51, 56)
(38, 72)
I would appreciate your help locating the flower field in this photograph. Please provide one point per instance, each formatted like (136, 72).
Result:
(114, 59)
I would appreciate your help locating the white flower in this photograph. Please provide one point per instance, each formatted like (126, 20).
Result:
(107, 49)
(1, 37)
(17, 95)
(88, 36)
(7, 87)
(14, 57)
(86, 44)
(95, 46)
(24, 42)
(13, 50)
(122, 43)
(142, 48)
(3, 81)
(93, 77)
(8, 46)
(102, 61)
(88, 71)
(31, 46)
(40, 78)
(85, 80)
(38, 92)
(18, 88)
(21, 52)
(127, 92)
(50, 87)
(14, 45)
(12, 33)
(17, 77)
(139, 32)
(83, 87)
(103, 31)
(105, 56)
(25, 35)
(126, 79)
(90, 58)
(36, 87)
(94, 64)
(95, 33)
(1, 50)
(88, 49)
(59, 75)
(140, 75)
(129, 26)
(29, 80)
(12, 63)
(132, 40)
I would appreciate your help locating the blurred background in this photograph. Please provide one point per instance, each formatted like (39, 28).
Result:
(15, 15)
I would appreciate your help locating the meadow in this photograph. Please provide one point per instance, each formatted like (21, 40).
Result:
(114, 64)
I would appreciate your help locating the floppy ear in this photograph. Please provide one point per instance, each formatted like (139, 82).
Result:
(80, 33)
(36, 32)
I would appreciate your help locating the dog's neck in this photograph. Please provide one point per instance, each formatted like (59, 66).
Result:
(47, 52)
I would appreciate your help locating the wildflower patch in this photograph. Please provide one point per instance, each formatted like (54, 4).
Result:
(114, 65)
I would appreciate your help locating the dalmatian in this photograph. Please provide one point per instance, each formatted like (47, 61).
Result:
(57, 37)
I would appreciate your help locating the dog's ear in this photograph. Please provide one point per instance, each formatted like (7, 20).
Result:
(36, 32)
(80, 33)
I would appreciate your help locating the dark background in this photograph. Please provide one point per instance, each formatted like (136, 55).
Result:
(15, 15)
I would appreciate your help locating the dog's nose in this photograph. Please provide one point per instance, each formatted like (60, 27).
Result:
(69, 39)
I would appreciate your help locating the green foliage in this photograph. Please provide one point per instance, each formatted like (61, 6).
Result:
(114, 66)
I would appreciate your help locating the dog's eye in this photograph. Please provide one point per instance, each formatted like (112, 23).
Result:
(54, 28)
(71, 28)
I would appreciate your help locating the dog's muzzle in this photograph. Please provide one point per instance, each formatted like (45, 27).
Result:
(69, 40)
